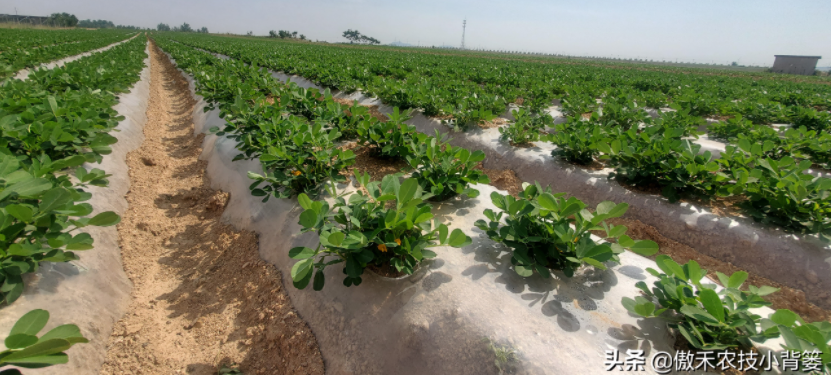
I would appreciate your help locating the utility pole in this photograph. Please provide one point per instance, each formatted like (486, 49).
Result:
(464, 26)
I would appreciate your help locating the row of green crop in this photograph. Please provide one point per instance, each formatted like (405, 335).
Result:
(770, 172)
(54, 121)
(767, 167)
(50, 125)
(469, 88)
(622, 109)
(613, 64)
(294, 133)
(13, 60)
(13, 39)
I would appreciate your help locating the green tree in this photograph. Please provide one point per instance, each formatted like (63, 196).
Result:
(96, 24)
(63, 19)
(352, 36)
(163, 27)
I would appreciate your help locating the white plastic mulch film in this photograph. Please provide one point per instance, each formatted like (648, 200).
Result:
(23, 74)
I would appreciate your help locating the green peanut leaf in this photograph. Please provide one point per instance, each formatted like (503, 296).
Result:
(458, 239)
(68, 332)
(737, 279)
(644, 247)
(301, 253)
(31, 323)
(105, 219)
(301, 269)
(308, 219)
(713, 304)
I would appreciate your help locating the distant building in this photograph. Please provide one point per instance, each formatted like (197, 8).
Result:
(790, 64)
(34, 20)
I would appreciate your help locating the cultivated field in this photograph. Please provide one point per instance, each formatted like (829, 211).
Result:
(435, 211)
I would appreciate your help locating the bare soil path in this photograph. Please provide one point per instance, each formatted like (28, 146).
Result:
(202, 298)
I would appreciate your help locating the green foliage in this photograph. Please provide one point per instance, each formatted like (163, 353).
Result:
(622, 112)
(184, 28)
(811, 119)
(354, 36)
(577, 140)
(63, 20)
(230, 370)
(464, 117)
(30, 48)
(301, 162)
(389, 139)
(682, 119)
(39, 210)
(577, 103)
(463, 89)
(527, 127)
(346, 119)
(443, 170)
(659, 156)
(709, 320)
(651, 98)
(25, 349)
(504, 356)
(802, 336)
(730, 128)
(781, 193)
(695, 103)
(547, 231)
(362, 231)
(50, 125)
(759, 110)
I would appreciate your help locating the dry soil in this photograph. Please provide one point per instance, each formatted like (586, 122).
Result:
(202, 298)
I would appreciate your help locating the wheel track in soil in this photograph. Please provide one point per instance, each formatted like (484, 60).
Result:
(201, 297)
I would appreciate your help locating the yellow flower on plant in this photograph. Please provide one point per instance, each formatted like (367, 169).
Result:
(296, 173)
(383, 248)
(398, 241)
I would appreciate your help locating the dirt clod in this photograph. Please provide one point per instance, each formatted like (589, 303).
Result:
(147, 161)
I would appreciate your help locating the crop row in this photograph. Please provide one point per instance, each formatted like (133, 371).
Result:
(767, 166)
(50, 125)
(469, 88)
(295, 133)
(13, 39)
(12, 60)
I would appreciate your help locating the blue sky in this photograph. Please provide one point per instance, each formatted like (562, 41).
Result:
(749, 32)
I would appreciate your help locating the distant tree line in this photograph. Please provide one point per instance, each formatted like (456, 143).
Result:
(96, 24)
(354, 36)
(184, 28)
(283, 34)
(63, 20)
(104, 24)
